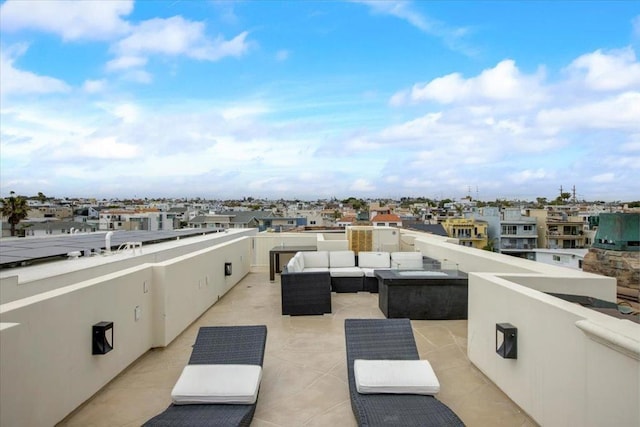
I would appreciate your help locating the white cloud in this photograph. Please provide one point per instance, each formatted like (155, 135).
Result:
(16, 81)
(401, 9)
(248, 110)
(77, 20)
(282, 55)
(177, 36)
(125, 62)
(361, 184)
(604, 178)
(94, 86)
(617, 112)
(137, 76)
(107, 148)
(613, 70)
(504, 82)
(528, 175)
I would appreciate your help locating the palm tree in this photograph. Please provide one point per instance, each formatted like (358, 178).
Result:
(15, 208)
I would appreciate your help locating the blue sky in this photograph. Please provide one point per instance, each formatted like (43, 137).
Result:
(318, 99)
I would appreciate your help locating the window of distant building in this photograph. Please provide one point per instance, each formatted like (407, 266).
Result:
(509, 229)
(528, 228)
(556, 258)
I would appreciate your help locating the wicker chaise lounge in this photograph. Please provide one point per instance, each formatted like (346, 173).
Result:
(225, 345)
(392, 339)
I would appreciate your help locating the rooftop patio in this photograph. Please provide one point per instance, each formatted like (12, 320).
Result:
(305, 374)
(573, 364)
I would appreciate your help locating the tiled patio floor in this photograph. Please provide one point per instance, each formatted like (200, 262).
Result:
(305, 375)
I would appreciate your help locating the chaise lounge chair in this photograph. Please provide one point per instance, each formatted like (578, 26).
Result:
(219, 345)
(390, 339)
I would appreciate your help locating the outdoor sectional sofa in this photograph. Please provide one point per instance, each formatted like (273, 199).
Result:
(309, 277)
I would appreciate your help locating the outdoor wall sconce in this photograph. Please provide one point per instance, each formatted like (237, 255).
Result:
(227, 269)
(507, 340)
(102, 338)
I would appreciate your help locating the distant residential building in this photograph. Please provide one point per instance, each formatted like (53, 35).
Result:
(51, 211)
(346, 221)
(314, 217)
(557, 229)
(86, 214)
(492, 216)
(375, 209)
(179, 215)
(135, 219)
(210, 221)
(570, 258)
(386, 220)
(518, 234)
(284, 224)
(469, 232)
(248, 219)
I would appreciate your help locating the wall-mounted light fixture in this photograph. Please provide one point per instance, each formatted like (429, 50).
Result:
(507, 340)
(227, 269)
(102, 338)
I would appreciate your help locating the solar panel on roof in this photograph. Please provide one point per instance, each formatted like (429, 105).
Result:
(16, 251)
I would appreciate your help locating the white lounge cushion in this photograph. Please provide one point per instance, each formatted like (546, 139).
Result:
(406, 260)
(341, 259)
(346, 272)
(229, 384)
(374, 259)
(316, 259)
(395, 377)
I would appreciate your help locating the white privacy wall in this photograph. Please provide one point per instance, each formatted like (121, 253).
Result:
(562, 376)
(47, 369)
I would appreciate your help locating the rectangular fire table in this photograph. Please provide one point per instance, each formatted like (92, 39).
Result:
(422, 294)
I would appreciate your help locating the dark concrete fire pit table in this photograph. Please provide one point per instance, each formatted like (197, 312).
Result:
(422, 294)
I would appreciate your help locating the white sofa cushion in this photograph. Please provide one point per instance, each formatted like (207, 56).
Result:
(346, 272)
(316, 259)
(342, 259)
(295, 264)
(229, 384)
(374, 259)
(395, 377)
(406, 260)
